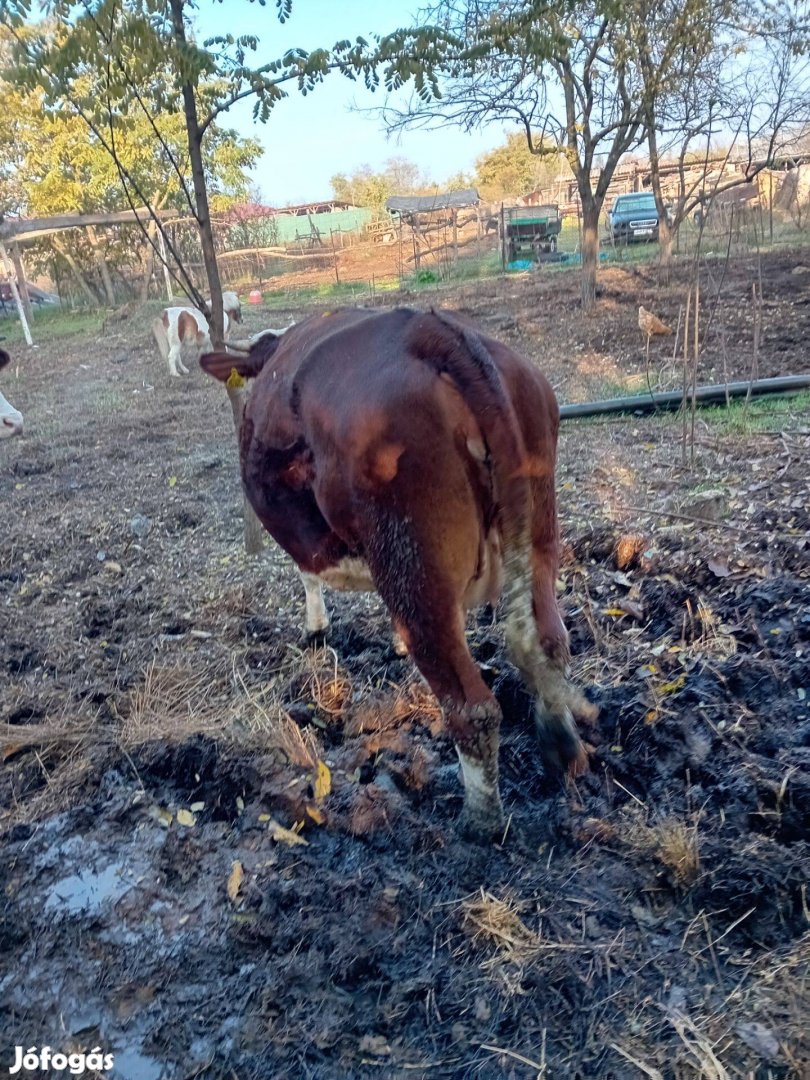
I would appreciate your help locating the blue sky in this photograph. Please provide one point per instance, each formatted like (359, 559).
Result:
(309, 139)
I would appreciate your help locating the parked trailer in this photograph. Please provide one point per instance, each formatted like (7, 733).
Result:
(530, 232)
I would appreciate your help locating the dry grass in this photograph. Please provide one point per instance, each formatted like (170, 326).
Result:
(395, 707)
(259, 713)
(172, 703)
(64, 734)
(673, 842)
(714, 641)
(678, 849)
(326, 683)
(700, 1055)
(61, 751)
(493, 921)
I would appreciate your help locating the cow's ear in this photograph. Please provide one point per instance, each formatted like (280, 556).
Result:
(4, 358)
(221, 364)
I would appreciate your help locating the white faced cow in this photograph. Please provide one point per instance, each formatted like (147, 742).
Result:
(11, 421)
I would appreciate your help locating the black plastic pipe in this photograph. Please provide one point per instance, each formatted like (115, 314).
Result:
(671, 400)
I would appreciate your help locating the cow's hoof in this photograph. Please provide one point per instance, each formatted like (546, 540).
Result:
(314, 639)
(482, 828)
(561, 749)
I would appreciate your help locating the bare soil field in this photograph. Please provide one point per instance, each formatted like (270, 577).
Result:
(226, 854)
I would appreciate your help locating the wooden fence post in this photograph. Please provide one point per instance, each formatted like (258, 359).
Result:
(167, 277)
(334, 257)
(16, 294)
(254, 531)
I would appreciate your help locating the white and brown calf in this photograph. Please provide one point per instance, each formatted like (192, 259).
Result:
(184, 325)
(177, 327)
(11, 421)
(231, 306)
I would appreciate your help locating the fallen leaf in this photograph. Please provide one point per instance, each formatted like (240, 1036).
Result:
(284, 836)
(719, 567)
(621, 579)
(161, 816)
(629, 607)
(186, 818)
(671, 687)
(172, 481)
(374, 1044)
(235, 879)
(761, 1039)
(323, 781)
(315, 814)
(13, 748)
(196, 807)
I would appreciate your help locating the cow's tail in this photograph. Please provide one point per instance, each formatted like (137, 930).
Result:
(456, 350)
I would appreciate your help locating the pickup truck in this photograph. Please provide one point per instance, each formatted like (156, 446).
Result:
(633, 218)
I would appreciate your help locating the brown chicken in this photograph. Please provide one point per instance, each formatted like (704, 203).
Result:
(650, 324)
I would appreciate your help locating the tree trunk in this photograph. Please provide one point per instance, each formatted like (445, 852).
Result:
(101, 263)
(149, 264)
(200, 190)
(666, 231)
(253, 531)
(590, 251)
(664, 247)
(22, 284)
(81, 281)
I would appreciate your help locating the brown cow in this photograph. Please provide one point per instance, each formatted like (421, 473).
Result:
(406, 452)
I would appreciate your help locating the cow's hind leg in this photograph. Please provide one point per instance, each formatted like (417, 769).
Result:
(174, 360)
(472, 714)
(538, 642)
(543, 671)
(317, 617)
(422, 581)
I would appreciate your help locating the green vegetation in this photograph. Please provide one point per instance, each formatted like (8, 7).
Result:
(512, 168)
(783, 412)
(760, 414)
(50, 324)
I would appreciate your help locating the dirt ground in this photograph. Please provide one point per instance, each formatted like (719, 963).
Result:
(224, 854)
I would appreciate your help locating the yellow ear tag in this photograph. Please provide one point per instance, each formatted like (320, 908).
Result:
(235, 380)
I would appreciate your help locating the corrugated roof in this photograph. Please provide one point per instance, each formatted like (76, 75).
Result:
(423, 204)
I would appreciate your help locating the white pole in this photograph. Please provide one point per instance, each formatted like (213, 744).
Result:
(166, 273)
(15, 293)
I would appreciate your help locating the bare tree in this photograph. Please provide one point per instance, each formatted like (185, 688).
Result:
(564, 72)
(731, 80)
